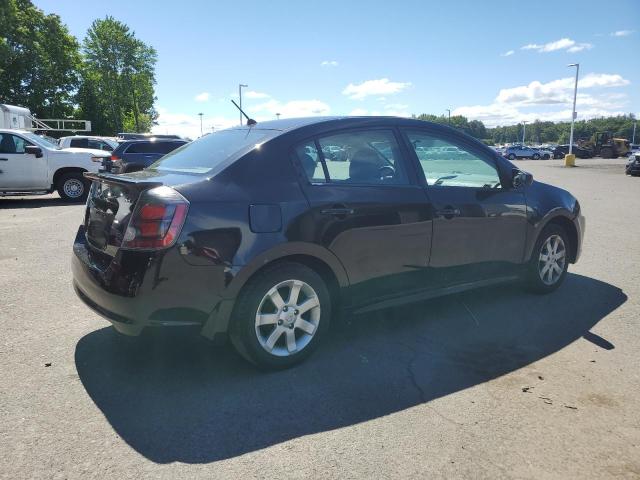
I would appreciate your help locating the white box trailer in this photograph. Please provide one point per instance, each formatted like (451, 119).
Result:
(15, 117)
(20, 118)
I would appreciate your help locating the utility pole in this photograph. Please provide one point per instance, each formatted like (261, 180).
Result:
(524, 130)
(201, 132)
(240, 87)
(573, 112)
(633, 138)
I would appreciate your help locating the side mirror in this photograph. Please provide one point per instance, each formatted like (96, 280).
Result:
(33, 150)
(521, 179)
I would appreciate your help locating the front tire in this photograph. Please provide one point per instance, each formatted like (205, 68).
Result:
(536, 156)
(511, 156)
(281, 316)
(547, 268)
(72, 187)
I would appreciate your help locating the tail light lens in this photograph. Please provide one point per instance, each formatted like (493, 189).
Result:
(157, 220)
(114, 158)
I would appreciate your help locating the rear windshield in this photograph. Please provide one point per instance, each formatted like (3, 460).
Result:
(211, 151)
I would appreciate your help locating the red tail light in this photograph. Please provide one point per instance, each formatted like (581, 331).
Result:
(157, 220)
(114, 158)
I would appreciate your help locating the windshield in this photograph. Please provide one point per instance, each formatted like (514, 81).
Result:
(32, 137)
(212, 151)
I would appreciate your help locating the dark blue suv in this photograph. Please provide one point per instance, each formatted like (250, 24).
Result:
(134, 155)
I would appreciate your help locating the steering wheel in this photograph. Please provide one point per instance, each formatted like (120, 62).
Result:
(387, 171)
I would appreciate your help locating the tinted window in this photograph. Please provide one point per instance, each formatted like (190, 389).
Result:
(12, 143)
(99, 145)
(211, 151)
(363, 157)
(143, 147)
(446, 163)
(79, 143)
(166, 147)
(309, 159)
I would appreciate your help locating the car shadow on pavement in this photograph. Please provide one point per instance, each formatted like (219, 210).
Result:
(174, 397)
(30, 202)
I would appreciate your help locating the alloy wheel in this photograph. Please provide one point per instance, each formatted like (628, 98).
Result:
(552, 259)
(287, 318)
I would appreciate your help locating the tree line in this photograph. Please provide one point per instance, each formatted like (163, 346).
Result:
(107, 78)
(539, 131)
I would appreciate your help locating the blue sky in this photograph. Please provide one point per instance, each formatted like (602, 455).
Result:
(500, 61)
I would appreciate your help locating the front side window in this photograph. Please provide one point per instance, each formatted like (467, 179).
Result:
(79, 143)
(446, 163)
(357, 157)
(12, 143)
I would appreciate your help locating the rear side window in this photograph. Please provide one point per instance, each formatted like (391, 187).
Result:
(79, 143)
(213, 150)
(166, 147)
(363, 157)
(143, 147)
(310, 161)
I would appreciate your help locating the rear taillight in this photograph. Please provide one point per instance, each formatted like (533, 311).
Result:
(157, 220)
(114, 158)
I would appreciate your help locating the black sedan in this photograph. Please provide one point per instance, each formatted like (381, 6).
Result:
(633, 166)
(561, 150)
(256, 234)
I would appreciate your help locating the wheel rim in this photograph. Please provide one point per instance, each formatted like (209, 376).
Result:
(552, 259)
(287, 318)
(73, 188)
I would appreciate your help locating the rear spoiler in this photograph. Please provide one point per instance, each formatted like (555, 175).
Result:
(122, 180)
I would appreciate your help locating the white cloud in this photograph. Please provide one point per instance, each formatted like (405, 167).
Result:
(202, 97)
(329, 63)
(381, 86)
(563, 44)
(187, 125)
(507, 53)
(552, 101)
(622, 33)
(557, 91)
(291, 109)
(253, 94)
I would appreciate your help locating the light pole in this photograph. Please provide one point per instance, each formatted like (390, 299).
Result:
(240, 87)
(201, 132)
(573, 112)
(278, 116)
(633, 137)
(524, 130)
(449, 112)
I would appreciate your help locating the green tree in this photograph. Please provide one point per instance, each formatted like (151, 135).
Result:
(117, 79)
(39, 60)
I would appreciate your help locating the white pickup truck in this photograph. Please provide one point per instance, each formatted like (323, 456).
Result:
(31, 165)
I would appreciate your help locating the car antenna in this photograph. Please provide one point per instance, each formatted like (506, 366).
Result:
(250, 121)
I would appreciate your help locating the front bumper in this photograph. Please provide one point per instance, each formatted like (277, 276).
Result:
(135, 290)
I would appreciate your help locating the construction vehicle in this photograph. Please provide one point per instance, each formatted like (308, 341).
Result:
(606, 145)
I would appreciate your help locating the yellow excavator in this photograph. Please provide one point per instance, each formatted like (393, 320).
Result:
(606, 145)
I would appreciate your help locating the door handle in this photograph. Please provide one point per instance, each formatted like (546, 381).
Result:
(448, 212)
(337, 211)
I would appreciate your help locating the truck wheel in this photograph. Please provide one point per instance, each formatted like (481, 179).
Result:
(72, 187)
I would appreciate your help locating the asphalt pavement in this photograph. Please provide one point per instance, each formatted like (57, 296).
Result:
(496, 383)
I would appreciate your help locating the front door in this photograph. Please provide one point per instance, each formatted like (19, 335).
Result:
(367, 211)
(479, 224)
(20, 170)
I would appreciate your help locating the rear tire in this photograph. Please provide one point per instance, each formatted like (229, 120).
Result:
(547, 268)
(536, 156)
(281, 315)
(511, 156)
(73, 187)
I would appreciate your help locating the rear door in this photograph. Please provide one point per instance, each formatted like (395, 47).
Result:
(368, 210)
(479, 224)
